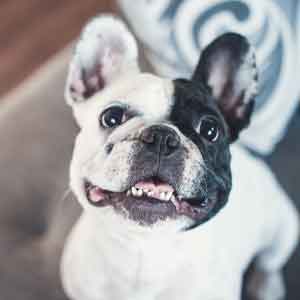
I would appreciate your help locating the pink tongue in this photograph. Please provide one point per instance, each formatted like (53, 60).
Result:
(155, 187)
(96, 194)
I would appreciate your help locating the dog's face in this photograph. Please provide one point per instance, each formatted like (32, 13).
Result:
(153, 150)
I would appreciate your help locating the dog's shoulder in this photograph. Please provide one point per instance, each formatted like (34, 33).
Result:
(256, 206)
(255, 183)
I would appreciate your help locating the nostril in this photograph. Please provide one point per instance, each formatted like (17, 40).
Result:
(172, 141)
(148, 137)
(161, 140)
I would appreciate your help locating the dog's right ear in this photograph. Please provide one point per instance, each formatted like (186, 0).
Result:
(106, 50)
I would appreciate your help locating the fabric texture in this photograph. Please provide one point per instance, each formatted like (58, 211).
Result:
(175, 31)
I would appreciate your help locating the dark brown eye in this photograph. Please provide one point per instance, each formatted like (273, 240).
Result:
(112, 117)
(209, 129)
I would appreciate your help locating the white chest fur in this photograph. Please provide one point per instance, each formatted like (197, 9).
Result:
(114, 266)
(104, 259)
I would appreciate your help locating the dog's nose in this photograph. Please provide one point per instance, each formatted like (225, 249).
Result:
(161, 139)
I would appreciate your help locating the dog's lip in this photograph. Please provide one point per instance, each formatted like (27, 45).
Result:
(192, 208)
(152, 188)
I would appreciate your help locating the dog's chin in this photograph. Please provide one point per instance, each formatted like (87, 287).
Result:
(150, 201)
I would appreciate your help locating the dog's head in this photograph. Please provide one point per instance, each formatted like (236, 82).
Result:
(154, 150)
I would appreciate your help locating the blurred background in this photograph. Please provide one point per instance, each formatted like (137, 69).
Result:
(32, 31)
(37, 132)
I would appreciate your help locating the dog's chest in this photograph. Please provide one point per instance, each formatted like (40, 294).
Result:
(147, 269)
(150, 269)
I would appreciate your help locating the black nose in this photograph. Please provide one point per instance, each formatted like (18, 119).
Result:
(160, 139)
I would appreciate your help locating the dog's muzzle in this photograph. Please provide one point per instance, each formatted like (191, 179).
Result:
(161, 140)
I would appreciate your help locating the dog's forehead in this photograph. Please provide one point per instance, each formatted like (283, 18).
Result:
(145, 93)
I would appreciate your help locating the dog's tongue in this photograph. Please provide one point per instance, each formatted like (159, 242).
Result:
(96, 194)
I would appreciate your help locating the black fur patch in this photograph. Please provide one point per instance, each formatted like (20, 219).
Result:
(229, 53)
(191, 103)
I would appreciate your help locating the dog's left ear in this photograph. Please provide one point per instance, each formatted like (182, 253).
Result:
(228, 67)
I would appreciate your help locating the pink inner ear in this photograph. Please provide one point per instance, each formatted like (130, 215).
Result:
(86, 83)
(88, 79)
(105, 48)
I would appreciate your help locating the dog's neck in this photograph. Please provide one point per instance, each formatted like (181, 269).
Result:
(118, 228)
(143, 259)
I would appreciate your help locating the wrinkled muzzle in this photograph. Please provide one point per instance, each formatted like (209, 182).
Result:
(151, 176)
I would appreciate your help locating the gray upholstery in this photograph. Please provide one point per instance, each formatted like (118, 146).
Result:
(36, 137)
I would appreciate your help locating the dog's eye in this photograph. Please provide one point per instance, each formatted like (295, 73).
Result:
(112, 117)
(209, 129)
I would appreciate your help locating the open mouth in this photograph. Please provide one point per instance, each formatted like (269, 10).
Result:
(149, 201)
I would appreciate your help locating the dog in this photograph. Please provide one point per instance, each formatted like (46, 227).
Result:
(171, 208)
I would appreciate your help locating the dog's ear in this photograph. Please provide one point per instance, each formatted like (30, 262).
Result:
(228, 67)
(105, 51)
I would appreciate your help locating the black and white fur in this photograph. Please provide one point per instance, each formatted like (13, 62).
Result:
(145, 254)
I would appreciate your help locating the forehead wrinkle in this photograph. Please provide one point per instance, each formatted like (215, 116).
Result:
(148, 94)
(128, 130)
(153, 100)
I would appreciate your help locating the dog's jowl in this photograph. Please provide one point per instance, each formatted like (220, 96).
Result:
(167, 214)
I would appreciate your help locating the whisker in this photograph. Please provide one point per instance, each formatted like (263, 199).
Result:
(65, 195)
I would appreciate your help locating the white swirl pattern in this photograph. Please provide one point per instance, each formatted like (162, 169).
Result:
(186, 26)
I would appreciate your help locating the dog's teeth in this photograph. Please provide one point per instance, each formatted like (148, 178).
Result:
(150, 193)
(128, 193)
(169, 195)
(134, 191)
(163, 196)
(175, 202)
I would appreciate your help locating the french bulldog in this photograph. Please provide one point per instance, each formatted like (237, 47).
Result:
(171, 209)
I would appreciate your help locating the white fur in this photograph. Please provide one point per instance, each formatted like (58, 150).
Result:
(266, 286)
(248, 73)
(108, 257)
(192, 160)
(142, 93)
(109, 30)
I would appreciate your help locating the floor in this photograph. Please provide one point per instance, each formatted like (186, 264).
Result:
(32, 31)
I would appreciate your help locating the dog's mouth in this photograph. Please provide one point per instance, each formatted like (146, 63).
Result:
(149, 201)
